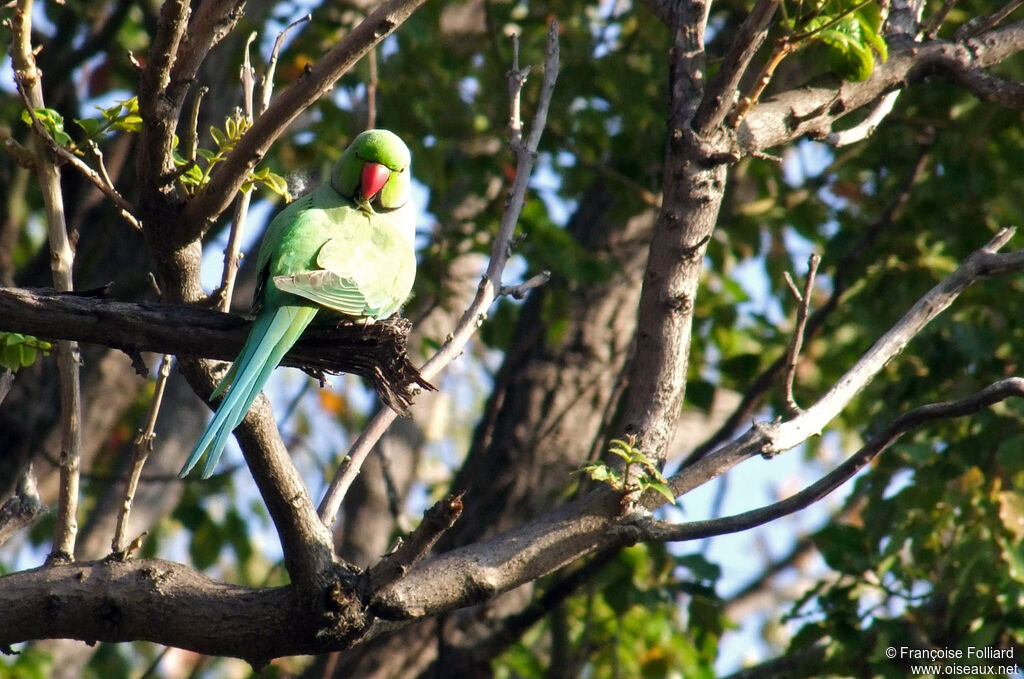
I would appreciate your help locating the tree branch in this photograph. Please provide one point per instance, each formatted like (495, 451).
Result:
(62, 259)
(721, 92)
(771, 438)
(755, 393)
(490, 284)
(375, 352)
(666, 532)
(285, 107)
(812, 110)
(166, 603)
(692, 197)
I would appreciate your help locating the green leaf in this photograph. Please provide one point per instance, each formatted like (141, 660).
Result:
(219, 137)
(660, 488)
(851, 62)
(90, 126)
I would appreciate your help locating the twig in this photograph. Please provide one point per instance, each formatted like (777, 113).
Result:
(268, 80)
(25, 158)
(489, 284)
(931, 27)
(371, 90)
(994, 393)
(867, 127)
(141, 447)
(61, 263)
(101, 182)
(22, 508)
(979, 25)
(233, 249)
(520, 291)
(436, 521)
(796, 343)
(190, 144)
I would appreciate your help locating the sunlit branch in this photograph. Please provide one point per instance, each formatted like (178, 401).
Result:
(490, 284)
(994, 393)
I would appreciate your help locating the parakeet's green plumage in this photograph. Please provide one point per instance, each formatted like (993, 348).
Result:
(346, 247)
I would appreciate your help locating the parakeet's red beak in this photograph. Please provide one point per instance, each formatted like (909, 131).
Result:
(373, 179)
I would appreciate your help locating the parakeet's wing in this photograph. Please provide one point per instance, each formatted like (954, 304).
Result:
(366, 269)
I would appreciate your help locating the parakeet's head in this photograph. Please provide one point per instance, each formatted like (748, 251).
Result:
(373, 171)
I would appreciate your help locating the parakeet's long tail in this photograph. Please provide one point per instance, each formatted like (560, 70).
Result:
(273, 333)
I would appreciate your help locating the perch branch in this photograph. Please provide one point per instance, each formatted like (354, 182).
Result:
(376, 353)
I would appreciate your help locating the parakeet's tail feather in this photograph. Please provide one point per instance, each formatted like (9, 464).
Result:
(272, 334)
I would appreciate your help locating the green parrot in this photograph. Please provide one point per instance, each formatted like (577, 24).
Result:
(347, 247)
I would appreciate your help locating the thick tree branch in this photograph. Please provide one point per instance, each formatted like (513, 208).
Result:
(283, 109)
(666, 532)
(813, 110)
(166, 603)
(375, 352)
(693, 194)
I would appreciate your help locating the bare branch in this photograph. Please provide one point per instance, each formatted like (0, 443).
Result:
(160, 601)
(61, 262)
(770, 438)
(721, 92)
(931, 27)
(268, 80)
(520, 291)
(979, 25)
(141, 447)
(988, 87)
(21, 509)
(486, 291)
(436, 521)
(233, 249)
(793, 355)
(994, 393)
(22, 155)
(755, 393)
(867, 127)
(685, 224)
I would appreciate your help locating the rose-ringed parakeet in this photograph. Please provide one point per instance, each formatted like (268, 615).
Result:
(347, 247)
